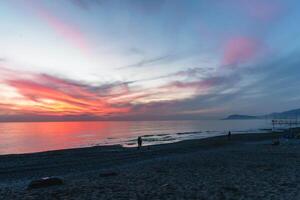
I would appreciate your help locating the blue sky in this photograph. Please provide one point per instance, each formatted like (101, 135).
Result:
(138, 59)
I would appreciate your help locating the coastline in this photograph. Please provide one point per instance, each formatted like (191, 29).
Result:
(41, 137)
(208, 157)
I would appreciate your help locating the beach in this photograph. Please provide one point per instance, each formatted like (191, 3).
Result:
(247, 166)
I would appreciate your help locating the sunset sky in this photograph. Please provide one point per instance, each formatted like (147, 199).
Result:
(147, 59)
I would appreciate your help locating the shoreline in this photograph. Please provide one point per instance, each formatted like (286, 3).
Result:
(182, 161)
(234, 136)
(18, 139)
(164, 142)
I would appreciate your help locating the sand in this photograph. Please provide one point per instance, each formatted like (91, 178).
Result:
(246, 167)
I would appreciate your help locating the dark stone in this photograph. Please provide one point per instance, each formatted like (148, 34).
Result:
(108, 174)
(45, 182)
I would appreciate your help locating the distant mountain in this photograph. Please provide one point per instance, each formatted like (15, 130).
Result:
(290, 114)
(231, 117)
(283, 115)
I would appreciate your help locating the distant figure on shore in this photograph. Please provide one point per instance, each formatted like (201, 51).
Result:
(140, 142)
(229, 135)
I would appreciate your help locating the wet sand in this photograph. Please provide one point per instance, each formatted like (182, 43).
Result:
(245, 167)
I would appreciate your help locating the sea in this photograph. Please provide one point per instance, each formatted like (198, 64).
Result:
(29, 137)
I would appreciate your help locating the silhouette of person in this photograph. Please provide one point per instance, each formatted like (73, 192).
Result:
(140, 141)
(229, 135)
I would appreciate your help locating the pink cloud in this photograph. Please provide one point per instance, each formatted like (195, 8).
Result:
(42, 94)
(239, 50)
(45, 94)
(66, 30)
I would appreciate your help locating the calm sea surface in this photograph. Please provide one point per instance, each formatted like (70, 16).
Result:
(44, 136)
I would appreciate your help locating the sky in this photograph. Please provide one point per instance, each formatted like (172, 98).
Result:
(147, 59)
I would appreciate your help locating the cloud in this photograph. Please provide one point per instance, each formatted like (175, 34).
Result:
(240, 50)
(199, 92)
(195, 72)
(151, 61)
(45, 95)
(66, 30)
(162, 59)
(192, 73)
(135, 51)
(48, 95)
(207, 83)
(201, 106)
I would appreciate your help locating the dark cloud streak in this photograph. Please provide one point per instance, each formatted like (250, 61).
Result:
(151, 61)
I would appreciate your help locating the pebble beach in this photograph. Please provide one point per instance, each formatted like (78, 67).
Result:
(247, 166)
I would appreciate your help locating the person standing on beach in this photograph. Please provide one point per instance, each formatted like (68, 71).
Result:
(140, 141)
(229, 135)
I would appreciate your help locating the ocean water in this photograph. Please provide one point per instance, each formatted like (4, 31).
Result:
(16, 138)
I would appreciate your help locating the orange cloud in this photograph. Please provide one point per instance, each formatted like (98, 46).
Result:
(28, 94)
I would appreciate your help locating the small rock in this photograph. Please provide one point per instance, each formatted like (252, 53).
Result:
(45, 182)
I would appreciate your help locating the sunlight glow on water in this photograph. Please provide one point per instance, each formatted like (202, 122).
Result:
(44, 136)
